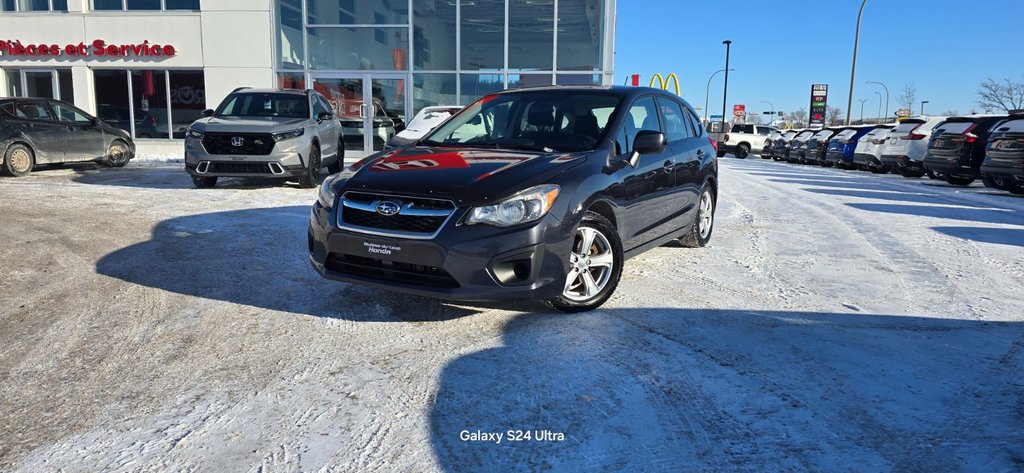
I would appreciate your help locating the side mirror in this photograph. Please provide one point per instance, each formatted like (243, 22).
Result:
(324, 117)
(206, 113)
(649, 142)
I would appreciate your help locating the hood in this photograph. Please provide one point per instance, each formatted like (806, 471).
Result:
(465, 175)
(248, 124)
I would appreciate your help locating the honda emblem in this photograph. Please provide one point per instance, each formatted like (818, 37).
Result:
(237, 141)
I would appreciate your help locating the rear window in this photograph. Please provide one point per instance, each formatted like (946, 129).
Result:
(846, 134)
(805, 135)
(823, 134)
(907, 126)
(878, 133)
(1012, 126)
(955, 128)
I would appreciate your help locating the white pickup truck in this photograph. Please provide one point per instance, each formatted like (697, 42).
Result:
(742, 140)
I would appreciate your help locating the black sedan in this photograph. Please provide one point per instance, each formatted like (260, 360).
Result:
(44, 131)
(532, 194)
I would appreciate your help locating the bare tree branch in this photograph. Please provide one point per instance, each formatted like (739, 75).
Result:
(1001, 96)
(834, 116)
(908, 97)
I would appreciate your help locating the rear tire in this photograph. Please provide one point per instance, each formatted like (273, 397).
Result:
(742, 151)
(959, 181)
(703, 223)
(204, 182)
(1016, 188)
(339, 164)
(311, 178)
(911, 173)
(18, 161)
(588, 285)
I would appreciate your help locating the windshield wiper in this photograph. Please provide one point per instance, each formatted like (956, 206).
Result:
(500, 144)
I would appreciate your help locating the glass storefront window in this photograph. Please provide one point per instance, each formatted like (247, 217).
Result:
(483, 35)
(434, 35)
(580, 33)
(291, 80)
(433, 89)
(578, 79)
(147, 108)
(379, 49)
(13, 82)
(531, 35)
(67, 85)
(143, 5)
(33, 5)
(149, 104)
(357, 12)
(290, 52)
(524, 81)
(475, 86)
(111, 91)
(188, 99)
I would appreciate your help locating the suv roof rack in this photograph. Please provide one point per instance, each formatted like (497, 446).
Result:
(240, 88)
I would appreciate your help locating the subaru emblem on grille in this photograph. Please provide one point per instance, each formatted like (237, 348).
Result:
(388, 208)
(237, 141)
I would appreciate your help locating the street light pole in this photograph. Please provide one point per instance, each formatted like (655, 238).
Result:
(707, 93)
(725, 90)
(886, 96)
(772, 109)
(922, 106)
(862, 110)
(879, 106)
(853, 71)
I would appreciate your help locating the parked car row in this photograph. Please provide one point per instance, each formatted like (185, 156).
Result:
(958, 150)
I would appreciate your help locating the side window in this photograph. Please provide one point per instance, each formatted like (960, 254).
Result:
(319, 107)
(642, 115)
(763, 131)
(67, 113)
(698, 130)
(33, 111)
(674, 123)
(7, 109)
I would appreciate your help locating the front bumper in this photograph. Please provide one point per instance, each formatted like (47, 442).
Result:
(476, 263)
(287, 159)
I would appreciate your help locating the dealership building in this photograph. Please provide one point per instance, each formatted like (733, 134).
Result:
(152, 66)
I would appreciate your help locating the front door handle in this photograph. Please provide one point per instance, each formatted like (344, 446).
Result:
(700, 153)
(668, 164)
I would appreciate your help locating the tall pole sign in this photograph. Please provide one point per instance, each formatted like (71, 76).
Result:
(819, 104)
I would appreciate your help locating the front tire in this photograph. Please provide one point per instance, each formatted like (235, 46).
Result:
(311, 178)
(992, 182)
(118, 154)
(18, 161)
(703, 224)
(595, 266)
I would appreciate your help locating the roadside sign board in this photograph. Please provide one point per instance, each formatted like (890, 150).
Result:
(903, 113)
(819, 104)
(739, 113)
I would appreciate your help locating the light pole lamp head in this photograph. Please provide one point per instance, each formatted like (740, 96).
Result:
(727, 42)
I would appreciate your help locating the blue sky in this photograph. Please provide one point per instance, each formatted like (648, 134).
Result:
(946, 48)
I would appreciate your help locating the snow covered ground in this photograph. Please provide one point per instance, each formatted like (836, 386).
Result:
(840, 321)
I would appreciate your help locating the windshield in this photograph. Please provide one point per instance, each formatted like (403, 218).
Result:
(264, 105)
(542, 121)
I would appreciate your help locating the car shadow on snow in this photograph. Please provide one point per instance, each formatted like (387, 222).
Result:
(985, 215)
(999, 236)
(259, 258)
(165, 177)
(711, 390)
(894, 195)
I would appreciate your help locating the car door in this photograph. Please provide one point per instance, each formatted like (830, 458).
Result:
(85, 140)
(46, 135)
(653, 179)
(325, 128)
(681, 137)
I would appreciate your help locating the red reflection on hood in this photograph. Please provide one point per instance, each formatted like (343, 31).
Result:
(444, 160)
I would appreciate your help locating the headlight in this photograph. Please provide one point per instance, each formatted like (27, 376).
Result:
(289, 134)
(526, 206)
(195, 134)
(327, 195)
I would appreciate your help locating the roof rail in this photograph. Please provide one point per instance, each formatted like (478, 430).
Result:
(240, 88)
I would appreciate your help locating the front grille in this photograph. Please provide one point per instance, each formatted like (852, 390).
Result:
(239, 168)
(258, 144)
(390, 271)
(418, 216)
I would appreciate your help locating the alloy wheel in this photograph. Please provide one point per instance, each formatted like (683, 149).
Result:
(707, 215)
(117, 154)
(591, 264)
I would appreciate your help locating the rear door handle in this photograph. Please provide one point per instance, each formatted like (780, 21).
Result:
(700, 153)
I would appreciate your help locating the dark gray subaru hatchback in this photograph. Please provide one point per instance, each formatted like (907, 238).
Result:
(530, 194)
